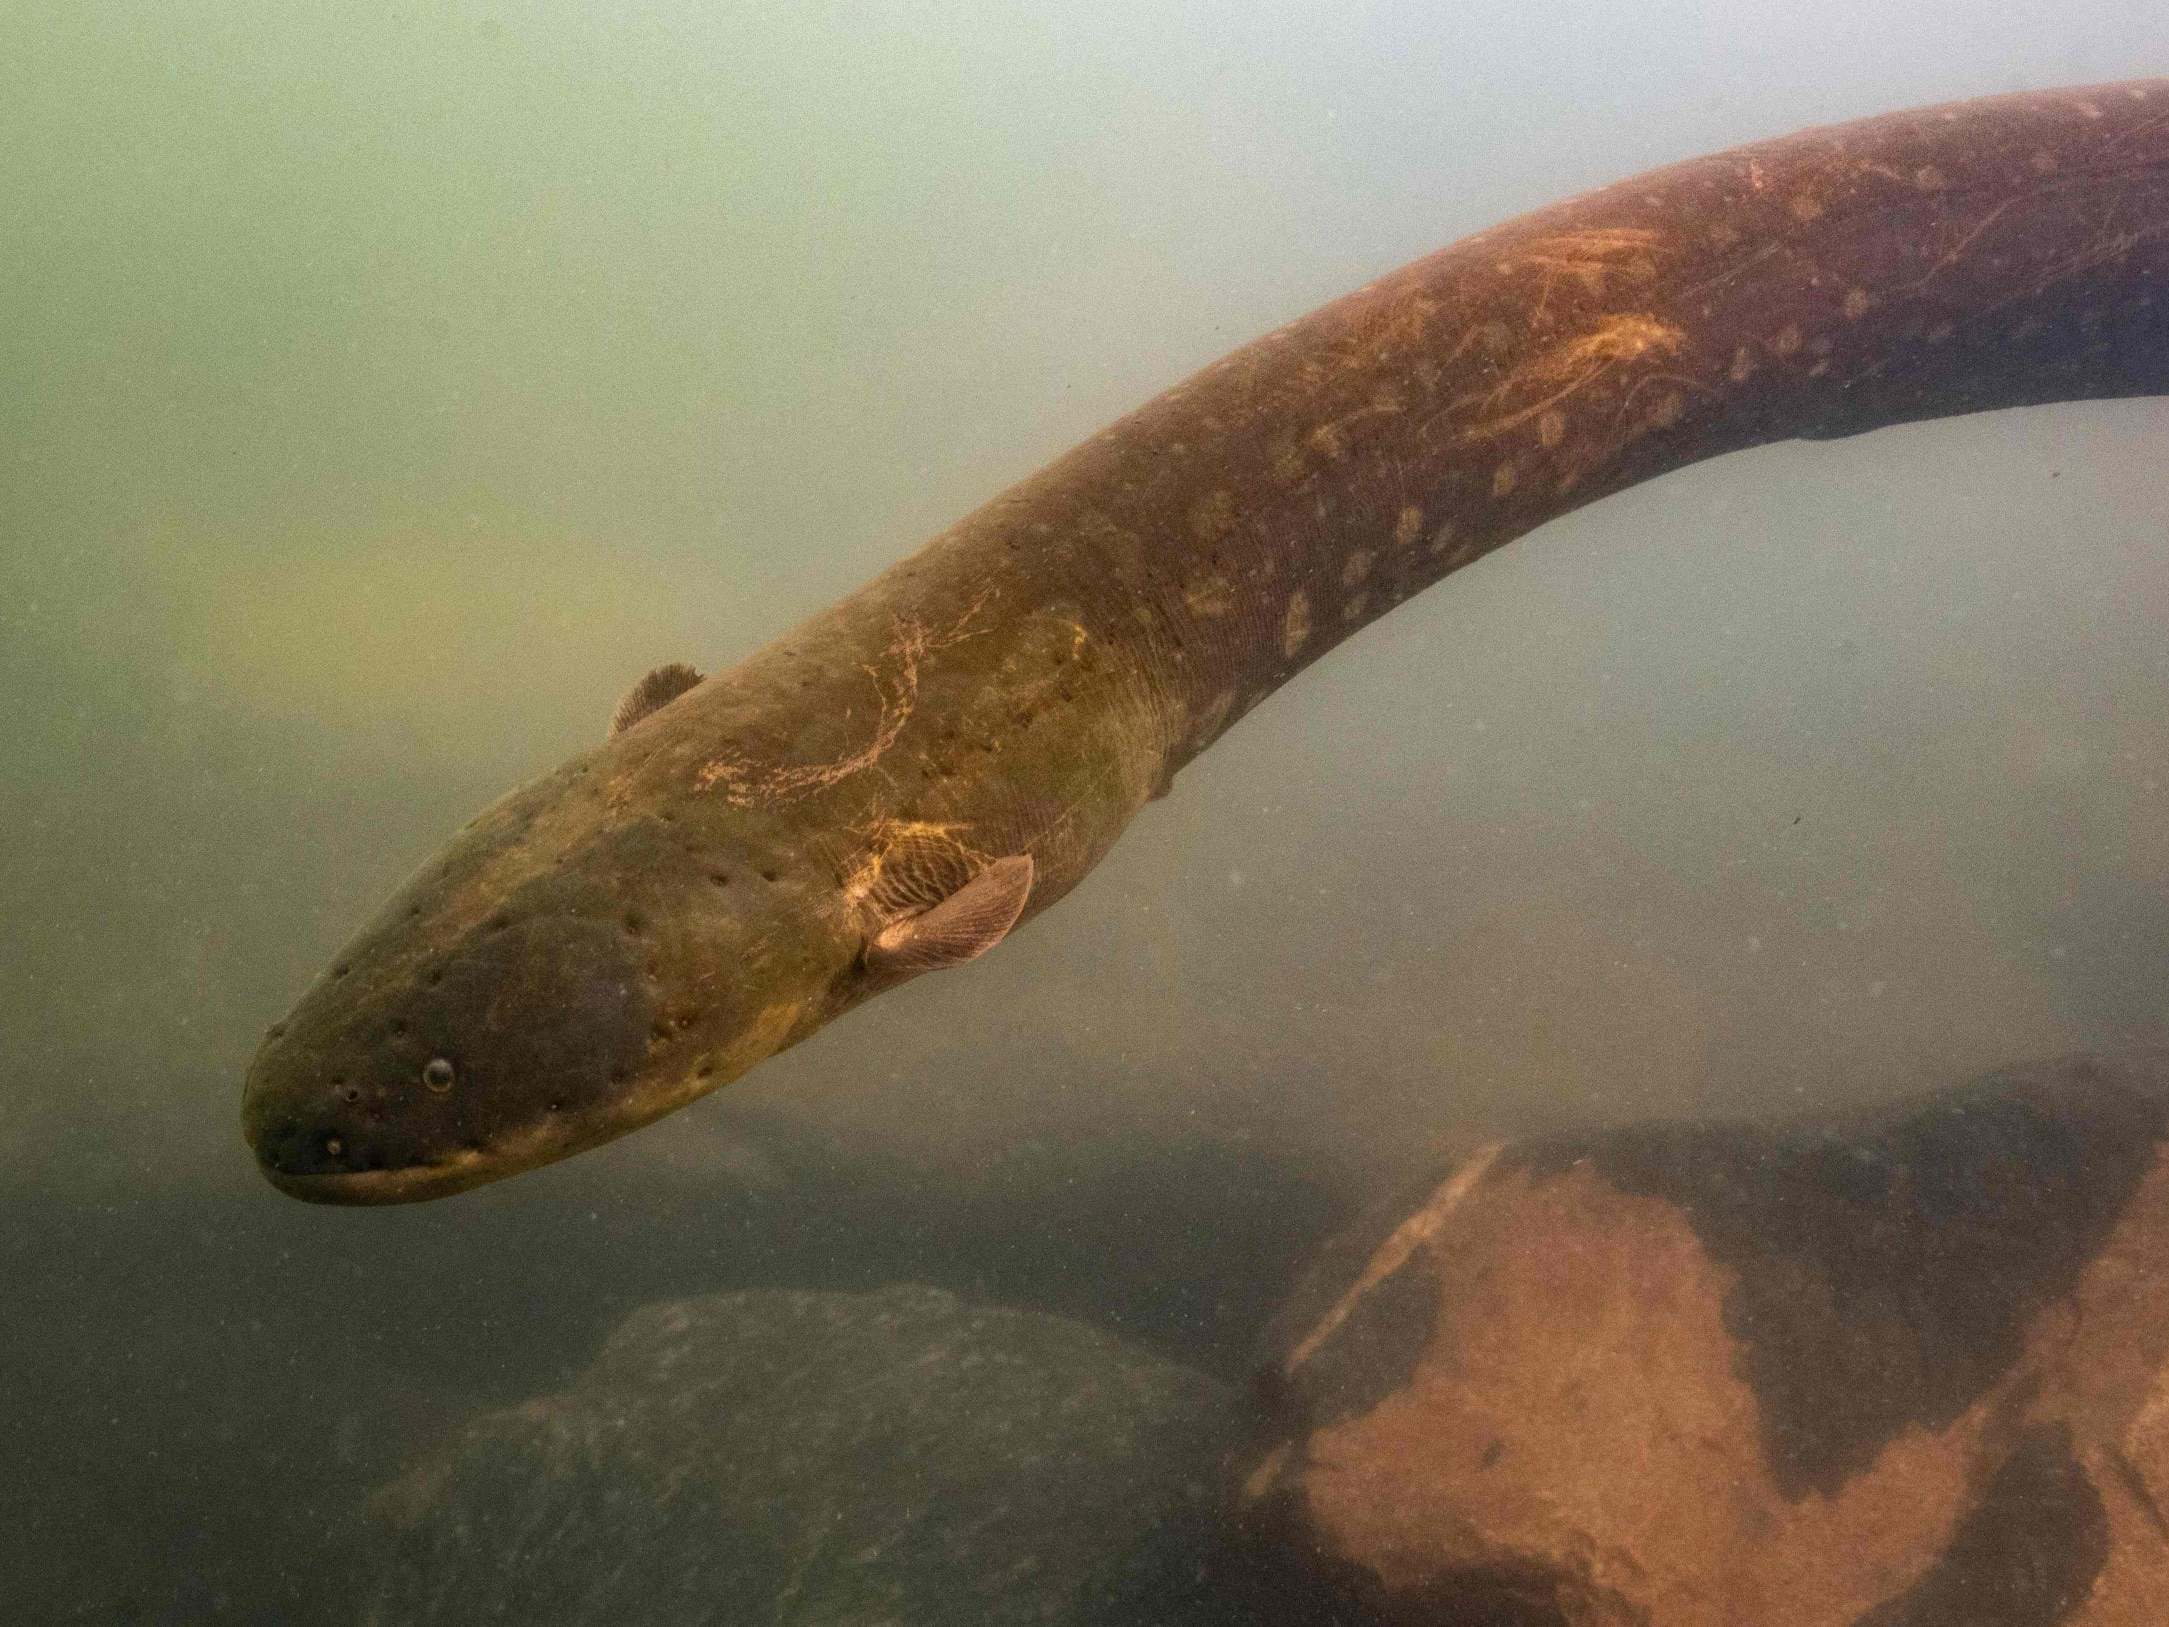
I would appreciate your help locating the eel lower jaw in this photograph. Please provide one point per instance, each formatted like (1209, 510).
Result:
(415, 1183)
(470, 1167)
(510, 1154)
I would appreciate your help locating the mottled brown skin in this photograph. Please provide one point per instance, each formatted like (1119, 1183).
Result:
(697, 893)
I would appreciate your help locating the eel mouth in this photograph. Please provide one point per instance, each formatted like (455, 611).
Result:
(410, 1183)
(288, 1161)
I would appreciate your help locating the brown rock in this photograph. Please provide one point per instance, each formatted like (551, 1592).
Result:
(1909, 1371)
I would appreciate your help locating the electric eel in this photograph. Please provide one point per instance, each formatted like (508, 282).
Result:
(891, 787)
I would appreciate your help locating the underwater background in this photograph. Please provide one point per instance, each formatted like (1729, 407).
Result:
(387, 388)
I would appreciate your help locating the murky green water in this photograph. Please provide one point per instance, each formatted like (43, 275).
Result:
(387, 389)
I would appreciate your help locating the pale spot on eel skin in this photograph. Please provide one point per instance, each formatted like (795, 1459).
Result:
(1503, 480)
(1214, 717)
(1856, 303)
(1212, 597)
(1408, 525)
(1356, 605)
(1786, 340)
(1295, 625)
(1357, 568)
(1213, 515)
(1743, 365)
(1550, 427)
(1806, 206)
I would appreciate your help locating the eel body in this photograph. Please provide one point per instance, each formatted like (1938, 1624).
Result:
(888, 788)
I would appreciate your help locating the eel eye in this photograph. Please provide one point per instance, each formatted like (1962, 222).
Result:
(438, 1074)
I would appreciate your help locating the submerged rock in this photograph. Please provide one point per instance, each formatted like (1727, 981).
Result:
(846, 1460)
(1910, 1371)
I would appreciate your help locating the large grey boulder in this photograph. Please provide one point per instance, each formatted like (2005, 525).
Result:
(891, 1459)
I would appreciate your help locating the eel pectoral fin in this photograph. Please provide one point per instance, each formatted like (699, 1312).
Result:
(657, 690)
(963, 926)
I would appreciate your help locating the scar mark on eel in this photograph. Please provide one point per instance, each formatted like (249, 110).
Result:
(743, 782)
(1574, 366)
